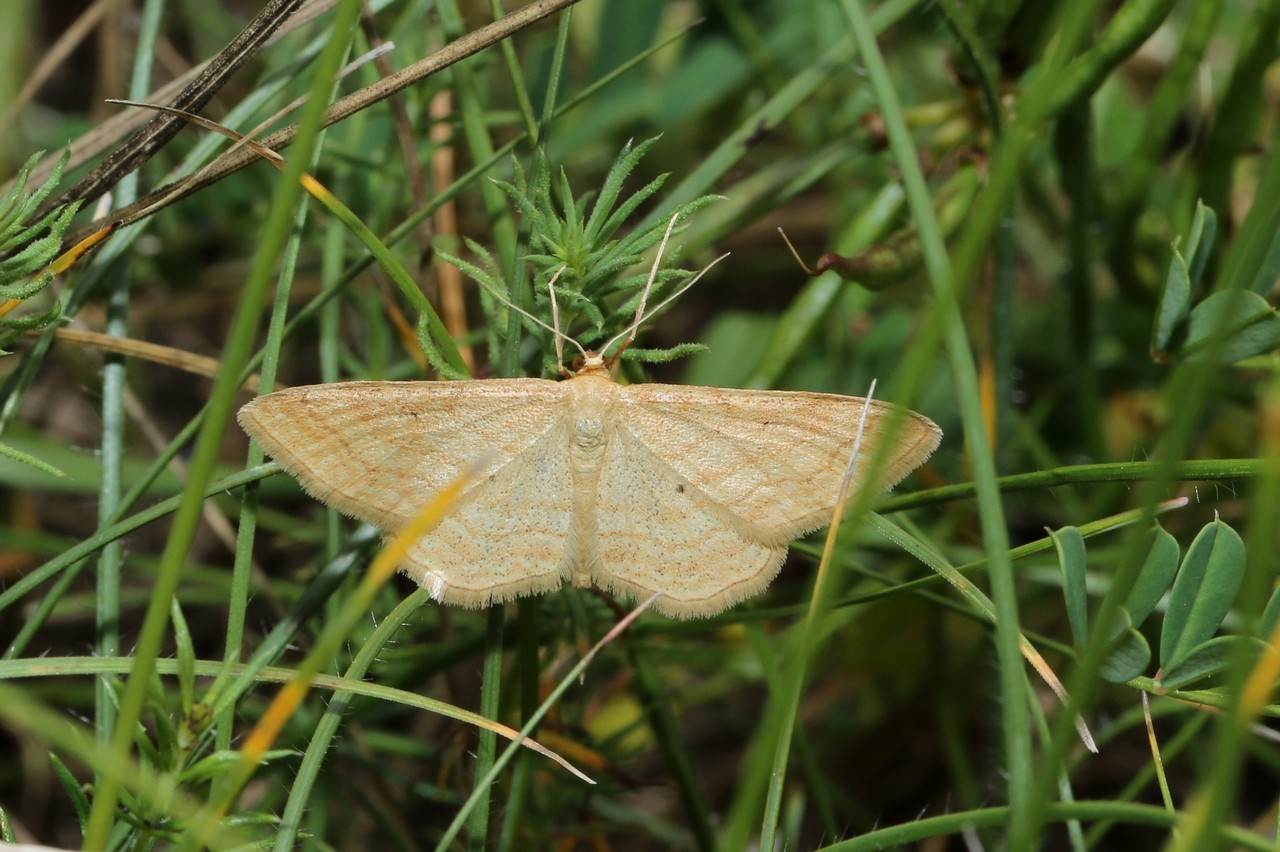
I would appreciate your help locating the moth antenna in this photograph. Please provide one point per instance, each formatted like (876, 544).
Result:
(653, 276)
(555, 321)
(656, 310)
(644, 294)
(559, 335)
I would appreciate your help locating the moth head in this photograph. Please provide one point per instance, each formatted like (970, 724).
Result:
(589, 362)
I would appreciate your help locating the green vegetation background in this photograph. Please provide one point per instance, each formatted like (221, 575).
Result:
(1014, 188)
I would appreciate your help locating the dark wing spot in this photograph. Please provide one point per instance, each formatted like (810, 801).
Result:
(680, 488)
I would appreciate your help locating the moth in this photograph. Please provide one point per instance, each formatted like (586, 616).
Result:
(694, 492)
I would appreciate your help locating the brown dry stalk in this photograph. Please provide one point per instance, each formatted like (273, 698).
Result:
(453, 306)
(180, 359)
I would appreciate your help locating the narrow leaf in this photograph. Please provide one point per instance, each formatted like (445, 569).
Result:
(1203, 592)
(1155, 577)
(225, 763)
(1173, 304)
(186, 658)
(1265, 276)
(1129, 657)
(1245, 322)
(1204, 228)
(73, 789)
(1270, 616)
(25, 458)
(1070, 547)
(1205, 660)
(17, 204)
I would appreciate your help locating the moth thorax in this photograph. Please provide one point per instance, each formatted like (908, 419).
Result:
(588, 433)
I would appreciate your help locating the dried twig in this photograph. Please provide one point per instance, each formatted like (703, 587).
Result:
(144, 143)
(460, 49)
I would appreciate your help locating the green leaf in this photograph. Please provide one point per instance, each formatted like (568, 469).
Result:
(435, 357)
(26, 458)
(186, 657)
(610, 190)
(75, 792)
(31, 259)
(1204, 227)
(1270, 616)
(1203, 593)
(1205, 660)
(1070, 546)
(662, 356)
(1239, 323)
(1153, 580)
(1129, 657)
(1265, 277)
(21, 290)
(16, 205)
(1173, 304)
(26, 272)
(225, 762)
(13, 326)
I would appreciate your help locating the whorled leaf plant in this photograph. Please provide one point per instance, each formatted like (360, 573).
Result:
(573, 244)
(28, 250)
